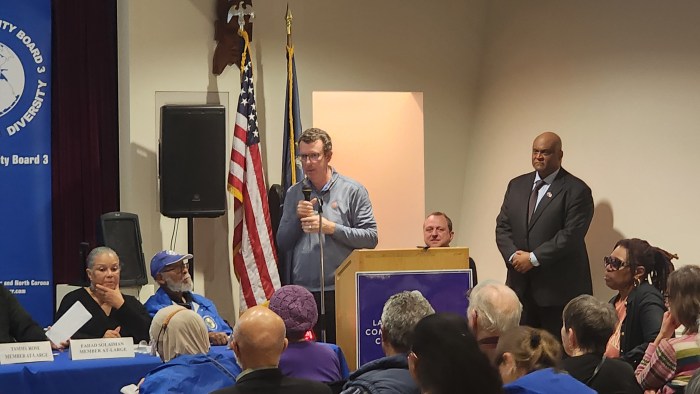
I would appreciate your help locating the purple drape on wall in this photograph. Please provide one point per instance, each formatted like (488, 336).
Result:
(85, 133)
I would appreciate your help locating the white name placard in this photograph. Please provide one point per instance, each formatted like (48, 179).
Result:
(89, 349)
(25, 352)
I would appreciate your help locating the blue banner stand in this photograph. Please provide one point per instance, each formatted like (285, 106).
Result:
(25, 155)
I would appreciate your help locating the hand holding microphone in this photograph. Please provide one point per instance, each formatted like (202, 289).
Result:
(309, 218)
(306, 191)
(305, 207)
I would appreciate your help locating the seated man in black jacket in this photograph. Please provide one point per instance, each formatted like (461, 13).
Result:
(437, 233)
(16, 325)
(258, 342)
(390, 374)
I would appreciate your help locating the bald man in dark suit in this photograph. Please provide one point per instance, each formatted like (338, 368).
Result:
(258, 342)
(540, 233)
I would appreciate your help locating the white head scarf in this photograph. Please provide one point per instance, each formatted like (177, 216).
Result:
(176, 330)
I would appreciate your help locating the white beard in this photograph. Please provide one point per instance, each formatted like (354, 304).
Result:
(179, 287)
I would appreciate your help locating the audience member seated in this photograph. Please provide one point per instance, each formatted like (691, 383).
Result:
(437, 233)
(180, 337)
(170, 270)
(390, 374)
(693, 386)
(528, 359)
(493, 309)
(258, 342)
(446, 359)
(588, 324)
(16, 325)
(303, 359)
(114, 315)
(639, 305)
(669, 362)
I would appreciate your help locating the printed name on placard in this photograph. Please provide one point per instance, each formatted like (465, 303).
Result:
(88, 349)
(25, 352)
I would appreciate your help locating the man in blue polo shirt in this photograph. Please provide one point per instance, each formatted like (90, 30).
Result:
(171, 271)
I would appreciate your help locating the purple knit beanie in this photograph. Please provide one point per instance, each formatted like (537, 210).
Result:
(296, 306)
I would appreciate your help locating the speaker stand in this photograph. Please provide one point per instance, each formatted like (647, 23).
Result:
(190, 243)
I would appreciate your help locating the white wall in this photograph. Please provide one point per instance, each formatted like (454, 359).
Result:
(165, 51)
(389, 45)
(620, 82)
(165, 47)
(617, 80)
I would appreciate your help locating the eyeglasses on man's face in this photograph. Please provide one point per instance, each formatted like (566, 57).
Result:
(313, 157)
(179, 267)
(613, 263)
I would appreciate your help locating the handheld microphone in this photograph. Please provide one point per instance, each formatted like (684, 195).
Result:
(306, 189)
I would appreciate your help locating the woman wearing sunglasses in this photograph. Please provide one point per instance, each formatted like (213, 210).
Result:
(638, 303)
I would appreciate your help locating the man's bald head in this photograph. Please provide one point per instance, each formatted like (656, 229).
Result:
(259, 338)
(546, 153)
(550, 137)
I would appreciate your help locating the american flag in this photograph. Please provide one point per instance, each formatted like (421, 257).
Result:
(254, 256)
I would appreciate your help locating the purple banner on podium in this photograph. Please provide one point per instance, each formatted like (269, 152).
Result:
(444, 289)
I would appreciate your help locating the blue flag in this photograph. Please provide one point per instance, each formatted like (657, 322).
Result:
(291, 169)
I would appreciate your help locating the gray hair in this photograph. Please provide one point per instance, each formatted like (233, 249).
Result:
(497, 306)
(592, 320)
(400, 314)
(99, 251)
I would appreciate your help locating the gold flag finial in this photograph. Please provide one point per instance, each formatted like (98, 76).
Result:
(288, 19)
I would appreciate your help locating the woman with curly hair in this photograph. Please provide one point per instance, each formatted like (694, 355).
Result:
(639, 304)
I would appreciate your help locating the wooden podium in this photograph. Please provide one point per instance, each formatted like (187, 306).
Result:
(385, 263)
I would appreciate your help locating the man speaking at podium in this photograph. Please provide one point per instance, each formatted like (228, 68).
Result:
(347, 222)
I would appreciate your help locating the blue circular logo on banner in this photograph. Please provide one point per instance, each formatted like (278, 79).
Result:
(11, 79)
(24, 76)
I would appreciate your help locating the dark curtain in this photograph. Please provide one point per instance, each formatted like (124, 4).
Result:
(85, 133)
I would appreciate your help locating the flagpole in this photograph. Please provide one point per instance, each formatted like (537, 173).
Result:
(290, 57)
(254, 256)
(323, 276)
(290, 98)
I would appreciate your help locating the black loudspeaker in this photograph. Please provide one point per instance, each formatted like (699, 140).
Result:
(121, 232)
(192, 165)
